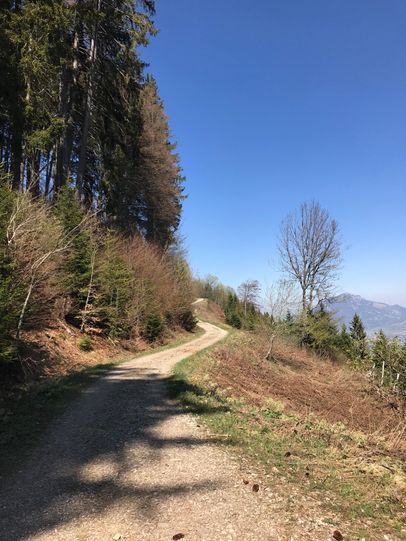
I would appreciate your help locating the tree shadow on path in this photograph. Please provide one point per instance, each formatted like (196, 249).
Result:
(113, 429)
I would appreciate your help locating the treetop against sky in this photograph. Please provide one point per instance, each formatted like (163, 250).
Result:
(284, 102)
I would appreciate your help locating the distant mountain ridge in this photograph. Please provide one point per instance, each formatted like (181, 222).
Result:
(375, 315)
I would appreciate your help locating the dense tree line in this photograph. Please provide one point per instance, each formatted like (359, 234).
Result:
(76, 110)
(59, 261)
(90, 182)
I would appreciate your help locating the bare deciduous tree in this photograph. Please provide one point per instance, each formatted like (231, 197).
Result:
(248, 293)
(33, 237)
(281, 298)
(37, 244)
(310, 251)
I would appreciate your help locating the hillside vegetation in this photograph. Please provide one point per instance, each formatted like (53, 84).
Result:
(318, 411)
(309, 421)
(90, 189)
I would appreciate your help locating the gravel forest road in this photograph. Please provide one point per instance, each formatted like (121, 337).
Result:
(125, 462)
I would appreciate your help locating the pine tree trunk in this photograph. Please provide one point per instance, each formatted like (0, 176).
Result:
(88, 109)
(48, 174)
(27, 166)
(6, 155)
(66, 99)
(17, 157)
(62, 155)
(34, 185)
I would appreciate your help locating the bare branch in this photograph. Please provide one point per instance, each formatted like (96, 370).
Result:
(310, 251)
(248, 293)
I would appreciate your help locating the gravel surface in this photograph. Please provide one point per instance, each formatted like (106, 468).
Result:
(125, 462)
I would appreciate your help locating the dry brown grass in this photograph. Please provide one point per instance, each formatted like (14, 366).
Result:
(307, 423)
(54, 352)
(307, 384)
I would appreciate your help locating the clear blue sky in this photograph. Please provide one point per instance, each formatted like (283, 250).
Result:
(275, 102)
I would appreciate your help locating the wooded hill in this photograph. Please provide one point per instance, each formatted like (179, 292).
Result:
(91, 187)
(76, 109)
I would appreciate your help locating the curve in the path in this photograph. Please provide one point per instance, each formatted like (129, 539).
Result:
(126, 462)
(77, 471)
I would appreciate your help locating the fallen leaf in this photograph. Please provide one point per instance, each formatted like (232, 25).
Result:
(337, 535)
(255, 488)
(178, 536)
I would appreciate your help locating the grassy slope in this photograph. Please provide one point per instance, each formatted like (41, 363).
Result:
(358, 475)
(29, 411)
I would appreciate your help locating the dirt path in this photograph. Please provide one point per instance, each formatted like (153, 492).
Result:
(125, 461)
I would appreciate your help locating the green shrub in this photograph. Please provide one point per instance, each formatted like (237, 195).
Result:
(113, 283)
(85, 343)
(232, 311)
(154, 327)
(11, 290)
(187, 320)
(233, 319)
(315, 330)
(77, 266)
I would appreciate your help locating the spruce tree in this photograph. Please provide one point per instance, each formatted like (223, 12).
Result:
(397, 363)
(158, 170)
(252, 318)
(78, 263)
(319, 332)
(345, 340)
(232, 311)
(359, 341)
(380, 355)
(114, 284)
(11, 292)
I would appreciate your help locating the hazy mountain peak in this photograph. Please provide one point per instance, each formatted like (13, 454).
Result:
(375, 315)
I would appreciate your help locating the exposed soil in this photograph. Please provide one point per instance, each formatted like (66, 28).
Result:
(55, 352)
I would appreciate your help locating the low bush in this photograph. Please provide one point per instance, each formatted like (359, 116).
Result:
(233, 319)
(187, 320)
(154, 327)
(85, 343)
